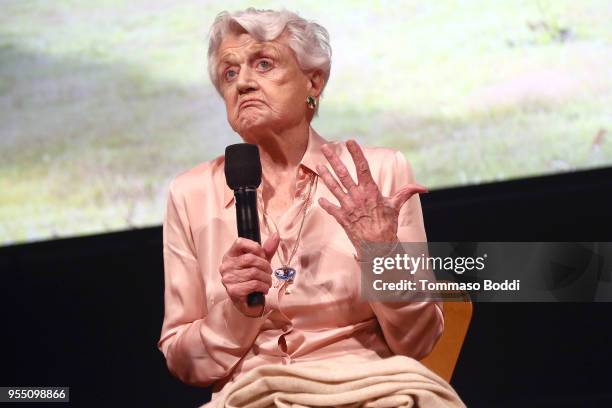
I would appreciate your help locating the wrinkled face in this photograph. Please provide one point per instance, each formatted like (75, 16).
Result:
(262, 85)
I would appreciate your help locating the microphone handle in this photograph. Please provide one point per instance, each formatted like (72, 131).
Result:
(247, 220)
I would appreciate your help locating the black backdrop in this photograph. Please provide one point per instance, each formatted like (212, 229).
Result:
(86, 312)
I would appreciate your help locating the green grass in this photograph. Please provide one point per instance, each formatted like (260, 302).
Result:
(102, 104)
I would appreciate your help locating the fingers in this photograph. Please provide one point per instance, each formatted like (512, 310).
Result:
(246, 261)
(247, 254)
(239, 286)
(333, 185)
(332, 210)
(242, 276)
(339, 168)
(245, 245)
(245, 267)
(364, 176)
(405, 193)
(270, 246)
(241, 291)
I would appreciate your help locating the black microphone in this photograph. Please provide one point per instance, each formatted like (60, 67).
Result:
(243, 175)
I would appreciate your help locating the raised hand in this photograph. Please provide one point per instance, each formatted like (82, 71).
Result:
(364, 213)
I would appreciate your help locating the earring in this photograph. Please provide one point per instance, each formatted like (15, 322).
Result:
(311, 102)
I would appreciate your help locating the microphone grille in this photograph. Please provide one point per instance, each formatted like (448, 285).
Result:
(242, 166)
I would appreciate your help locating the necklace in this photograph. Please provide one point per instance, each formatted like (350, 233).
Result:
(286, 273)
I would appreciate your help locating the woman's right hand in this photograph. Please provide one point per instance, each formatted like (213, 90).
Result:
(246, 268)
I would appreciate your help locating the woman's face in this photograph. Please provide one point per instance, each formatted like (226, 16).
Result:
(263, 87)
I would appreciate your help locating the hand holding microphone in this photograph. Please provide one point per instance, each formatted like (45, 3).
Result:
(245, 269)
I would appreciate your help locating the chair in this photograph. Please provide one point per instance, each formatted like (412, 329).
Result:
(457, 316)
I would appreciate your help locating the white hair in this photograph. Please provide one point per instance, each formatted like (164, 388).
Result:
(308, 40)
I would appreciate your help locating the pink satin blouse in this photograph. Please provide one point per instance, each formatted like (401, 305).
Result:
(206, 340)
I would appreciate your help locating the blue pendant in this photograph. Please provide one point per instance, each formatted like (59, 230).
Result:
(285, 273)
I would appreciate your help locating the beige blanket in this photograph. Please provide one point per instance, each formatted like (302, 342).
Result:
(393, 382)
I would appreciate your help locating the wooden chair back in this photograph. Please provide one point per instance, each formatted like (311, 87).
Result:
(457, 316)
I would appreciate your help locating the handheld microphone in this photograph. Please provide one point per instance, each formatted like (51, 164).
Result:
(243, 175)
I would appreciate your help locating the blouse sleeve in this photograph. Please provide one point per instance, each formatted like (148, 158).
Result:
(200, 345)
(409, 328)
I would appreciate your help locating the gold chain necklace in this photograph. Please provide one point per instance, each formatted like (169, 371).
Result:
(286, 273)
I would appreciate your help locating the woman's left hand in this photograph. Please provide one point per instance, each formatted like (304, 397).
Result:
(364, 213)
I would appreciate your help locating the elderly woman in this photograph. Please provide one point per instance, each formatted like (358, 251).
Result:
(318, 202)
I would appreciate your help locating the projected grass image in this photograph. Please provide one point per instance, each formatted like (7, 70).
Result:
(103, 103)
